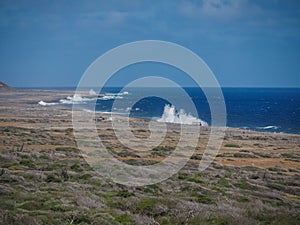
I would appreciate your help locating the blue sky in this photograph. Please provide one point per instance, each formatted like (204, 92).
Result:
(246, 43)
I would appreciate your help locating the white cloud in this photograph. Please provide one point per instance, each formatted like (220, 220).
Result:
(223, 10)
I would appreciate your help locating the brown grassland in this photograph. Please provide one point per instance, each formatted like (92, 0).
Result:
(255, 178)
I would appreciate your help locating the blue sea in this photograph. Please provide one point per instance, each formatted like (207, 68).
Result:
(262, 109)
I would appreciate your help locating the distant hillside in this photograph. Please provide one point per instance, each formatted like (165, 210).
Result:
(5, 87)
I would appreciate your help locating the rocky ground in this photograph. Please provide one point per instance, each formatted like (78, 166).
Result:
(44, 179)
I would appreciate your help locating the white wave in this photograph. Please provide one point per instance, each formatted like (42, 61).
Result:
(46, 103)
(171, 116)
(76, 99)
(92, 92)
(117, 94)
(268, 128)
(109, 97)
(245, 128)
(65, 101)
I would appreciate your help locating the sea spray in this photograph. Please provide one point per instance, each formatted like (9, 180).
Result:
(78, 99)
(92, 92)
(46, 103)
(170, 115)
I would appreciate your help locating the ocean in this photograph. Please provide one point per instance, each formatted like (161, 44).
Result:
(261, 109)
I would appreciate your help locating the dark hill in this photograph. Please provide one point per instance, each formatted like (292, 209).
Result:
(5, 87)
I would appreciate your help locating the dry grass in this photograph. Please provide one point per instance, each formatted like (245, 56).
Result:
(256, 183)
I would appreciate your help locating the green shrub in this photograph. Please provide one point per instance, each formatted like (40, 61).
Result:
(163, 148)
(7, 205)
(263, 155)
(218, 221)
(164, 220)
(288, 155)
(85, 176)
(96, 183)
(196, 157)
(182, 176)
(205, 199)
(153, 188)
(31, 205)
(124, 219)
(243, 155)
(146, 204)
(231, 145)
(13, 167)
(242, 199)
(125, 194)
(27, 162)
(276, 169)
(196, 180)
(224, 182)
(152, 206)
(67, 149)
(245, 185)
(44, 156)
(76, 167)
(52, 178)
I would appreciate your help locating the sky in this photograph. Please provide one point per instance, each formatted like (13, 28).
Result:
(246, 43)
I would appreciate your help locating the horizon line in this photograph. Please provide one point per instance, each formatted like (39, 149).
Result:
(21, 87)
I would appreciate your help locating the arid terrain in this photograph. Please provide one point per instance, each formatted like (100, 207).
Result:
(44, 179)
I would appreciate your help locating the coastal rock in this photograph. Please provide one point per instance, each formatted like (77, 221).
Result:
(4, 87)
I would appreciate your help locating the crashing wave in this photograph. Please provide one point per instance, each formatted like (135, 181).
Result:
(46, 103)
(118, 94)
(109, 97)
(171, 116)
(92, 92)
(268, 128)
(76, 99)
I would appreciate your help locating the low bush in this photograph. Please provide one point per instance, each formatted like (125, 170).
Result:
(231, 145)
(124, 219)
(53, 178)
